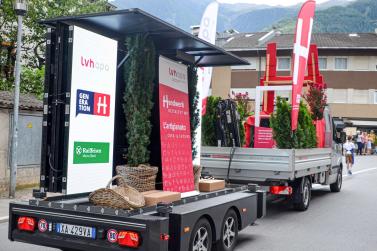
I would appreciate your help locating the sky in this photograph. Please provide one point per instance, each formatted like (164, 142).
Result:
(269, 2)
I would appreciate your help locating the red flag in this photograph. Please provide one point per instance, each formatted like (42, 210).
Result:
(300, 54)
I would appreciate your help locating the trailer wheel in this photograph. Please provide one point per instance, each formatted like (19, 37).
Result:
(337, 186)
(201, 236)
(229, 232)
(302, 195)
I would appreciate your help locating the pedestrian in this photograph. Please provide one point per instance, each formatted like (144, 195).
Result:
(359, 141)
(349, 148)
(372, 138)
(365, 142)
(369, 146)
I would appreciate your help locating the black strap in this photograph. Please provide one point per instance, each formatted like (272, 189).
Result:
(232, 150)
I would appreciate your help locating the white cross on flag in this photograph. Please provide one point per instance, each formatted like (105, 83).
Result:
(300, 54)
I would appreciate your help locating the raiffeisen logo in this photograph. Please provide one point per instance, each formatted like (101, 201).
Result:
(93, 64)
(177, 76)
(166, 102)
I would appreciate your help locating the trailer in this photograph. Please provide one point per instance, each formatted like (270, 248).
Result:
(85, 52)
(287, 172)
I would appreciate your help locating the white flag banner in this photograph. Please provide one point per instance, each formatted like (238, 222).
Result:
(207, 32)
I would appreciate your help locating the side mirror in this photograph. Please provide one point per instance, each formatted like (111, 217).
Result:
(341, 137)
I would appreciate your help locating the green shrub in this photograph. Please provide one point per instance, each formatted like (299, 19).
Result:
(209, 122)
(280, 122)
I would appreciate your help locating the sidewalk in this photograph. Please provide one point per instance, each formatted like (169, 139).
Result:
(21, 195)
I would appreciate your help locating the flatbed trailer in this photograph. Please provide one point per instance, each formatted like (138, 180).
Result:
(162, 227)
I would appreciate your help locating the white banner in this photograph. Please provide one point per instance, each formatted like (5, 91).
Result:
(207, 32)
(91, 126)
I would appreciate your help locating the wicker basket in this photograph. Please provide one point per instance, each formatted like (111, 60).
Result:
(142, 177)
(120, 197)
(197, 174)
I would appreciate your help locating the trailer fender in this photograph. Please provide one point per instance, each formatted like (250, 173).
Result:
(213, 226)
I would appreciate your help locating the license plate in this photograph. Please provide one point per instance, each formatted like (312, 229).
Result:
(88, 232)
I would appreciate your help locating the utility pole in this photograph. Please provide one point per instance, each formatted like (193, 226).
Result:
(20, 7)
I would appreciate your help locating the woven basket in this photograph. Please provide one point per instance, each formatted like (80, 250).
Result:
(120, 197)
(197, 174)
(142, 177)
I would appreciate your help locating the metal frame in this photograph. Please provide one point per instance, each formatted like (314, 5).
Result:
(258, 91)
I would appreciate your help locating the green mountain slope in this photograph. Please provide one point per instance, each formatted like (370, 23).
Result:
(359, 16)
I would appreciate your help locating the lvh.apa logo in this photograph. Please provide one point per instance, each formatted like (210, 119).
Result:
(93, 64)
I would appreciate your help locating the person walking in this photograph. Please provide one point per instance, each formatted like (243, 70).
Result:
(365, 142)
(349, 147)
(359, 141)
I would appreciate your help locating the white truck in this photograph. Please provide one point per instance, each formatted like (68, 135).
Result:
(288, 172)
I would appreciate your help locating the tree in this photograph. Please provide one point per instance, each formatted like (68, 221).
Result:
(317, 100)
(138, 97)
(33, 46)
(280, 122)
(194, 101)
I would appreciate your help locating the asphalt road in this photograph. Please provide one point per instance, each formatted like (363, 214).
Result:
(345, 221)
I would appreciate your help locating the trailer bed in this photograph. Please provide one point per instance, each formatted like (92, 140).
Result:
(260, 165)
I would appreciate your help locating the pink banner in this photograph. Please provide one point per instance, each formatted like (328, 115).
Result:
(176, 153)
(263, 137)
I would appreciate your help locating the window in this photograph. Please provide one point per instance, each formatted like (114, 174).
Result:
(341, 63)
(284, 64)
(322, 63)
(375, 97)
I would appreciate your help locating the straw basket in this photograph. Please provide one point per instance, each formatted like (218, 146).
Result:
(142, 177)
(120, 197)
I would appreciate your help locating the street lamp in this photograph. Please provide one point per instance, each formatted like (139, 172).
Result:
(20, 7)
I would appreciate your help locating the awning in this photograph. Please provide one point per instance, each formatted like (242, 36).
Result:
(170, 41)
(364, 123)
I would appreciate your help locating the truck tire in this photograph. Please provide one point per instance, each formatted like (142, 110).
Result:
(229, 232)
(201, 236)
(302, 195)
(337, 186)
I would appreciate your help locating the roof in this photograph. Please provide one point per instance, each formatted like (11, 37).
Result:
(168, 39)
(27, 101)
(249, 41)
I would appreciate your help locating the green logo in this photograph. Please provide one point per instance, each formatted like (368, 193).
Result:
(91, 152)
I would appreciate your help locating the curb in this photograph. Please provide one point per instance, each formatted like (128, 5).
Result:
(4, 219)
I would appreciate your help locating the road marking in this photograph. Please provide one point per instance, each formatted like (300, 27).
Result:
(361, 171)
(4, 219)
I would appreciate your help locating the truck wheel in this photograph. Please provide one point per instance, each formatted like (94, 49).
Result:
(229, 232)
(335, 187)
(201, 236)
(302, 193)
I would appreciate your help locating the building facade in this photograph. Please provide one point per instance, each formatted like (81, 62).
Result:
(29, 140)
(348, 63)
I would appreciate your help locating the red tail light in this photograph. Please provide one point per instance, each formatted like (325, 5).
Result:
(282, 190)
(128, 239)
(26, 224)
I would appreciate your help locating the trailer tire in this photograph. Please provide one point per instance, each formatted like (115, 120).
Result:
(337, 186)
(229, 232)
(302, 195)
(201, 236)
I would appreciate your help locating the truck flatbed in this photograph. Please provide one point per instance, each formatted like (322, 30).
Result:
(261, 165)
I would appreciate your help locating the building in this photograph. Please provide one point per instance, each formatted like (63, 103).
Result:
(29, 140)
(348, 63)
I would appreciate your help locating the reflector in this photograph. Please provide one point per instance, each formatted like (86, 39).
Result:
(128, 239)
(26, 224)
